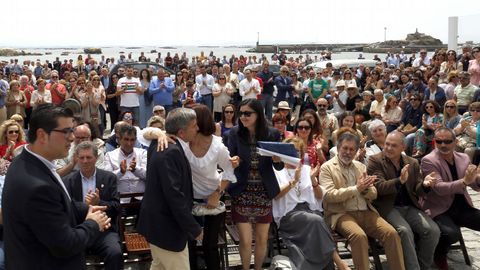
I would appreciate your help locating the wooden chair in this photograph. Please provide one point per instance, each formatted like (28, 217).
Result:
(134, 242)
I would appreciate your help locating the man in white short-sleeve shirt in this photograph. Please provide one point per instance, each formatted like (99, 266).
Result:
(128, 88)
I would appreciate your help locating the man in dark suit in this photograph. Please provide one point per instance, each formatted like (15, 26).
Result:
(43, 227)
(399, 186)
(166, 218)
(97, 187)
(284, 86)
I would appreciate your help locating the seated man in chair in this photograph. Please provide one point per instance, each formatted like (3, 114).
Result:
(94, 186)
(449, 203)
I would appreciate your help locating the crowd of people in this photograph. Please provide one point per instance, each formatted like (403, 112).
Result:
(386, 152)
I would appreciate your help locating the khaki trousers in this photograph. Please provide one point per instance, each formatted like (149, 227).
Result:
(356, 226)
(163, 259)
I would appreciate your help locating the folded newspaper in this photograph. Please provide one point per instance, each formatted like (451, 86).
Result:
(285, 151)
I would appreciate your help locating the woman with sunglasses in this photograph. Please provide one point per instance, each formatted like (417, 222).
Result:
(451, 118)
(451, 63)
(180, 86)
(11, 137)
(90, 102)
(348, 78)
(431, 120)
(468, 130)
(256, 185)
(229, 120)
(314, 155)
(222, 92)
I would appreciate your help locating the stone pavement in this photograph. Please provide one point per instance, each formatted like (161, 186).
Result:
(472, 242)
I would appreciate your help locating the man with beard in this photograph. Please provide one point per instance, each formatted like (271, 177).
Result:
(449, 203)
(348, 205)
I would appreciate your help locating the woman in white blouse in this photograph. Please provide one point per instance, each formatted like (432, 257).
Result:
(41, 95)
(205, 154)
(297, 211)
(392, 114)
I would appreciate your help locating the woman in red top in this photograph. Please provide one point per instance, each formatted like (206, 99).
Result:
(11, 137)
(303, 130)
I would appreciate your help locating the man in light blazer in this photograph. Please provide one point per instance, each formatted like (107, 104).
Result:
(449, 203)
(348, 208)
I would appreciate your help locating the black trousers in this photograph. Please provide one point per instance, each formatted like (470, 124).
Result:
(211, 228)
(108, 246)
(460, 214)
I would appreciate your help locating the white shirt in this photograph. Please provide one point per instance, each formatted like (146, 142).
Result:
(88, 184)
(205, 176)
(245, 86)
(302, 192)
(130, 182)
(204, 89)
(129, 98)
(51, 166)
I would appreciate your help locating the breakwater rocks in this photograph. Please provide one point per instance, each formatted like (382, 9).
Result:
(92, 50)
(12, 52)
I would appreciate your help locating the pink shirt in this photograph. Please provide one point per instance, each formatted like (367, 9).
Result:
(474, 70)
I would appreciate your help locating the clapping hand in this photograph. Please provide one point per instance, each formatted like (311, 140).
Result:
(123, 166)
(430, 180)
(235, 160)
(365, 181)
(92, 198)
(471, 174)
(97, 214)
(404, 174)
(133, 165)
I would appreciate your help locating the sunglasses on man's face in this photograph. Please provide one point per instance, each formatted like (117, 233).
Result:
(438, 142)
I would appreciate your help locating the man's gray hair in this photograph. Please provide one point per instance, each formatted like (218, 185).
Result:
(375, 124)
(178, 119)
(87, 145)
(347, 136)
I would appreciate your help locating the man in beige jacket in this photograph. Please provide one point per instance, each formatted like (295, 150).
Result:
(348, 208)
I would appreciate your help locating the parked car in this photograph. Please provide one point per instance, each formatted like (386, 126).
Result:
(272, 67)
(351, 63)
(152, 66)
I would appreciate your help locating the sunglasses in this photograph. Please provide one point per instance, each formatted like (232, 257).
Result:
(449, 107)
(321, 105)
(13, 131)
(246, 114)
(443, 141)
(228, 112)
(158, 111)
(428, 107)
(474, 110)
(303, 127)
(413, 99)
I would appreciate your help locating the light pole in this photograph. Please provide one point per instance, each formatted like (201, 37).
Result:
(385, 34)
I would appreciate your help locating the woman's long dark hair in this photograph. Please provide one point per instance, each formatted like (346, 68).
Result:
(261, 125)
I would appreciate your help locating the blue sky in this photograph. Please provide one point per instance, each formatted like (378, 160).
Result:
(54, 23)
